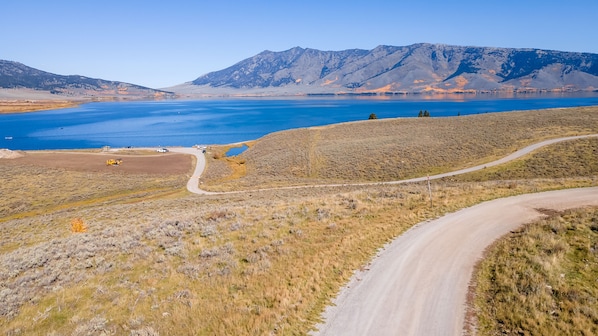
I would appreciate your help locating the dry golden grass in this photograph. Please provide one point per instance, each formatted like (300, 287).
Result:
(541, 280)
(560, 160)
(245, 264)
(35, 189)
(155, 259)
(385, 150)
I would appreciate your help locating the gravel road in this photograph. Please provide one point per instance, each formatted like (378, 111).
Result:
(417, 285)
(193, 183)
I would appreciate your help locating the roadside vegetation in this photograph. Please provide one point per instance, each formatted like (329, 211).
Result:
(89, 252)
(560, 160)
(541, 279)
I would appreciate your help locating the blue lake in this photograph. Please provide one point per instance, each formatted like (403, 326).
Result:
(186, 123)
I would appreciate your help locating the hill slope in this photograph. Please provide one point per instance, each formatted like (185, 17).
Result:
(17, 76)
(409, 69)
(391, 149)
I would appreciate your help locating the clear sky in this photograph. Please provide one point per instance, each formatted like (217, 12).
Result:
(164, 43)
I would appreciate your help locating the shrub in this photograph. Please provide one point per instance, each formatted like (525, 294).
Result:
(78, 226)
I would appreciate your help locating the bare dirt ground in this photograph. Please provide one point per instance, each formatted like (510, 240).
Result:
(163, 164)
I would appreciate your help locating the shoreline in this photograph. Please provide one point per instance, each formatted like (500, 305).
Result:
(27, 102)
(27, 106)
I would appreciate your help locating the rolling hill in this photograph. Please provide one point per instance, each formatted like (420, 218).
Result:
(17, 76)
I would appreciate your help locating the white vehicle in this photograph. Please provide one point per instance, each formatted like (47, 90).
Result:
(162, 150)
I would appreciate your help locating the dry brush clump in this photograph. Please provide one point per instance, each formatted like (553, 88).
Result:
(78, 226)
(541, 279)
(31, 272)
(383, 150)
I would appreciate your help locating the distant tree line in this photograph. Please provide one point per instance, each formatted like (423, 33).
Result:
(423, 114)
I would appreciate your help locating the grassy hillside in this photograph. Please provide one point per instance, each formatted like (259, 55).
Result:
(385, 150)
(157, 260)
(541, 279)
(560, 160)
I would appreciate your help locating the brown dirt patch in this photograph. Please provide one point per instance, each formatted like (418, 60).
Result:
(169, 164)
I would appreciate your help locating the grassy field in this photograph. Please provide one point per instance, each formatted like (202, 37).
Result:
(37, 189)
(385, 150)
(157, 260)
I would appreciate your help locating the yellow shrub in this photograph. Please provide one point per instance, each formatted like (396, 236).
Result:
(77, 225)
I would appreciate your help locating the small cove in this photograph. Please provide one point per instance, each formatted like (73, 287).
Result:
(234, 151)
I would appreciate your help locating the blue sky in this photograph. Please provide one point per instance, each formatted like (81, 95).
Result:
(164, 43)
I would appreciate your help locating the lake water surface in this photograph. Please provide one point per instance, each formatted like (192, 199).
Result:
(186, 123)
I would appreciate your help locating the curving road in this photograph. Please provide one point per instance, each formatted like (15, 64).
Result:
(418, 284)
(200, 165)
(193, 184)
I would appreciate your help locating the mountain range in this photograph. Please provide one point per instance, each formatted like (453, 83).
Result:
(14, 75)
(417, 68)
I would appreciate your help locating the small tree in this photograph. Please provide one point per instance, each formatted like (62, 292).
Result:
(373, 116)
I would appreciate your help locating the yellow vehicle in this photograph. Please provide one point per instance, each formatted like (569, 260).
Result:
(113, 162)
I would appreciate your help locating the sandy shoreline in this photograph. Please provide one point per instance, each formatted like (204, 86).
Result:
(23, 106)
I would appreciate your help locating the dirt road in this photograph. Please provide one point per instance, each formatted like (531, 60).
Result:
(418, 283)
(200, 165)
